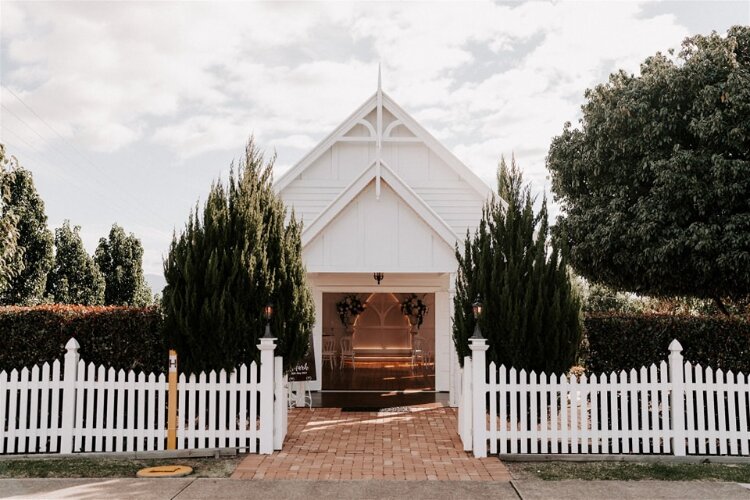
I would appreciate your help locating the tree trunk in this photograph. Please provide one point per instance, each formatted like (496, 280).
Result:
(720, 305)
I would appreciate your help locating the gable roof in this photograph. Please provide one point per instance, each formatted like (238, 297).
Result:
(399, 113)
(404, 192)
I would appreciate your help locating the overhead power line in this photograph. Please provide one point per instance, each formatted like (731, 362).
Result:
(96, 172)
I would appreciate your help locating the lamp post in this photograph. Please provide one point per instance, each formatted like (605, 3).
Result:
(476, 307)
(268, 314)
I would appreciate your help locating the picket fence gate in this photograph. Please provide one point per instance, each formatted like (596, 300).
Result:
(673, 408)
(79, 407)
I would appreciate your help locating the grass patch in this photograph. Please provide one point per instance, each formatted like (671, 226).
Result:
(109, 467)
(629, 471)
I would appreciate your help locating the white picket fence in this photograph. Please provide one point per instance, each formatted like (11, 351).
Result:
(86, 408)
(673, 408)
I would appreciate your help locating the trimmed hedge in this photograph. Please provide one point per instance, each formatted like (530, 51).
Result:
(120, 337)
(624, 341)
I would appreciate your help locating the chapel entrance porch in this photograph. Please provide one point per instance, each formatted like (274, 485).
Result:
(379, 350)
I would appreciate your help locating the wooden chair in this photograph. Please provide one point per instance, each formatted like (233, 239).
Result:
(418, 354)
(347, 352)
(329, 351)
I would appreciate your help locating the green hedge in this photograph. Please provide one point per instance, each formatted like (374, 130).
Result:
(120, 337)
(625, 341)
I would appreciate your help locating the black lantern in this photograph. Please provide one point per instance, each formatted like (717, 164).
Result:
(476, 307)
(268, 313)
(378, 277)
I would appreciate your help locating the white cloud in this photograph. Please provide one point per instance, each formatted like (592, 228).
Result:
(179, 80)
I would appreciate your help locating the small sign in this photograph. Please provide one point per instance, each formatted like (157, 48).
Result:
(305, 371)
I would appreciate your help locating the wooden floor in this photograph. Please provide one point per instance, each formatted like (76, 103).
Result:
(396, 374)
(371, 400)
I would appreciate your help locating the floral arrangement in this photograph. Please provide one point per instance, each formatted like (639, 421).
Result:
(414, 307)
(349, 307)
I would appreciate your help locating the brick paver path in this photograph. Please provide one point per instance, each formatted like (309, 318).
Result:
(326, 443)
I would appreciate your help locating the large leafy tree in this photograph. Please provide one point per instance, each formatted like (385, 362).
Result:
(655, 182)
(75, 278)
(10, 253)
(232, 258)
(531, 314)
(120, 260)
(32, 258)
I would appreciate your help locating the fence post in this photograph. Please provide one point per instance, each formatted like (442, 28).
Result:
(677, 406)
(70, 378)
(466, 403)
(278, 404)
(172, 401)
(266, 347)
(478, 348)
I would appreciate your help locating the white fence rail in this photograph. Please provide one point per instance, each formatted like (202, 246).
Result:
(85, 408)
(673, 408)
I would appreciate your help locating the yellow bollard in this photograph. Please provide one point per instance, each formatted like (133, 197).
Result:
(172, 402)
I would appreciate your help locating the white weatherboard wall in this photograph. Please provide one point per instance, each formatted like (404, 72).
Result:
(381, 194)
(382, 234)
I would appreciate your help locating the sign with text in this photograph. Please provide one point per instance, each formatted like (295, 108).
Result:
(305, 370)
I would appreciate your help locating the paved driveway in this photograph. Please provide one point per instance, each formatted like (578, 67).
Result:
(420, 443)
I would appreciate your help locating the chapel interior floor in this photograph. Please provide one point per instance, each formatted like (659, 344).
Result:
(372, 374)
(382, 400)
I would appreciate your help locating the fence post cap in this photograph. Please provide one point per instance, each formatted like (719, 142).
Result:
(478, 344)
(72, 344)
(267, 343)
(675, 346)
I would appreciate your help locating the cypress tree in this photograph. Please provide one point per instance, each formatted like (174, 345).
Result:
(531, 312)
(31, 264)
(233, 257)
(10, 252)
(120, 259)
(75, 278)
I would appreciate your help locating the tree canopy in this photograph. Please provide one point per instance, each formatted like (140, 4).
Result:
(9, 249)
(75, 278)
(234, 257)
(32, 258)
(531, 314)
(120, 260)
(655, 182)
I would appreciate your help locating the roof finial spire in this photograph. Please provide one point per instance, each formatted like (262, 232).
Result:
(380, 87)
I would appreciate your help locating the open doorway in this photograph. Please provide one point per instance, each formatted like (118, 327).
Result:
(380, 351)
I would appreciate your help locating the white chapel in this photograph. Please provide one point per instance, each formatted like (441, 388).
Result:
(381, 197)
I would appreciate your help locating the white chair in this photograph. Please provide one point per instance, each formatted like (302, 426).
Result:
(347, 352)
(418, 354)
(299, 392)
(329, 351)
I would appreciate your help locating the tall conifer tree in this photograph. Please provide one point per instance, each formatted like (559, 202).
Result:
(75, 278)
(10, 252)
(33, 259)
(234, 257)
(120, 259)
(531, 314)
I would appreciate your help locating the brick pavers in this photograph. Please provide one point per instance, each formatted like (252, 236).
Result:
(418, 444)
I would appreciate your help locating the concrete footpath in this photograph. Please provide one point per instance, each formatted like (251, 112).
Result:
(184, 489)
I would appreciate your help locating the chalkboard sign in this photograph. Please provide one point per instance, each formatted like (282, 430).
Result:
(305, 370)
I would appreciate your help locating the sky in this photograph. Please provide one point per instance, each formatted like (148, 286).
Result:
(127, 111)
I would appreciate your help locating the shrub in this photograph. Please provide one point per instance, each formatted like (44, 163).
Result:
(120, 337)
(625, 341)
(531, 310)
(236, 255)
